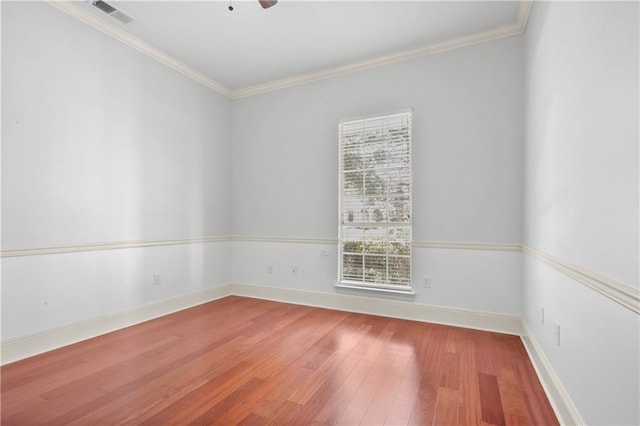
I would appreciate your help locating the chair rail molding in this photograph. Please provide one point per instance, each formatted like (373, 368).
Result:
(624, 294)
(115, 245)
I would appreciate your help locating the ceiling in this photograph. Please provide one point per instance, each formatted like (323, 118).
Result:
(251, 48)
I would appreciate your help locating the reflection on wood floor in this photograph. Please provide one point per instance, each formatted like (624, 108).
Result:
(247, 361)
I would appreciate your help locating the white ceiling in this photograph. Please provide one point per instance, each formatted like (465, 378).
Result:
(252, 46)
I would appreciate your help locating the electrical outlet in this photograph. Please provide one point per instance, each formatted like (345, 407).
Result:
(542, 314)
(156, 279)
(426, 281)
(294, 270)
(557, 334)
(269, 269)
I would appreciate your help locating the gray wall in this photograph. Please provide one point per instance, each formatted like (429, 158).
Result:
(582, 197)
(467, 149)
(467, 171)
(103, 144)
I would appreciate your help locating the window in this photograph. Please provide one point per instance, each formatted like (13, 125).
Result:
(375, 202)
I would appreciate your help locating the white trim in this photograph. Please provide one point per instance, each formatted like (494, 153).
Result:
(415, 244)
(22, 347)
(80, 13)
(395, 289)
(408, 110)
(19, 348)
(624, 294)
(398, 119)
(523, 14)
(621, 293)
(285, 240)
(508, 324)
(114, 245)
(563, 406)
(430, 49)
(125, 37)
(34, 251)
(466, 246)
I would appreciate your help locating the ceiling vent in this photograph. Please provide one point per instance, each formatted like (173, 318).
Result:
(112, 11)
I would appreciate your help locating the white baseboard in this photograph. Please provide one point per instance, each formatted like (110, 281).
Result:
(384, 307)
(22, 347)
(562, 404)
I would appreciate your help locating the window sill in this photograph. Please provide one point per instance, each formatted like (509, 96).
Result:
(357, 286)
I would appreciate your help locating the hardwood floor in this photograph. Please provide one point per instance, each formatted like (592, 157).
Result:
(252, 362)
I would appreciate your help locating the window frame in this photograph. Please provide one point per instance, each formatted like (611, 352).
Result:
(364, 285)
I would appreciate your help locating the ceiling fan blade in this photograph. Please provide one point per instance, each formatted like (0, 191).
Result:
(267, 3)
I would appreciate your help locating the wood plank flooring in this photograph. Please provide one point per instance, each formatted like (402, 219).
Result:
(253, 362)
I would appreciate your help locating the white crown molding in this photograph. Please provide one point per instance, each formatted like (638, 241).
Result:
(523, 14)
(621, 293)
(35, 251)
(466, 246)
(561, 402)
(22, 347)
(125, 37)
(130, 40)
(457, 43)
(385, 307)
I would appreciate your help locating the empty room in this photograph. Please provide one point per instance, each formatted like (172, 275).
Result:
(320, 212)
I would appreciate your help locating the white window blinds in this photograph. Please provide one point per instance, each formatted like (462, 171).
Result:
(375, 202)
